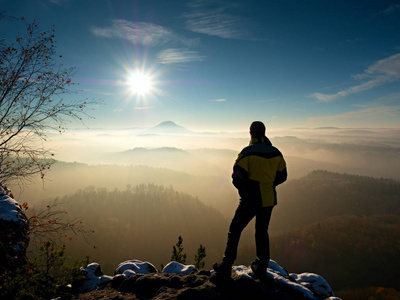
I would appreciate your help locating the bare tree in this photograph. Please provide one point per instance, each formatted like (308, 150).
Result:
(52, 223)
(32, 86)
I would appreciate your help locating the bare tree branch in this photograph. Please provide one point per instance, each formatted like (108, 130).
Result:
(52, 223)
(32, 86)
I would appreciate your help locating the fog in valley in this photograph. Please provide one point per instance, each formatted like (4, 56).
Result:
(138, 189)
(200, 163)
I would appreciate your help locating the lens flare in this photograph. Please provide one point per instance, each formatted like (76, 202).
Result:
(140, 86)
(139, 83)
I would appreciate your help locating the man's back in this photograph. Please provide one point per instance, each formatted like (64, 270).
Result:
(264, 164)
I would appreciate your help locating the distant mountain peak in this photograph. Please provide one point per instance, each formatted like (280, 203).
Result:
(168, 124)
(167, 127)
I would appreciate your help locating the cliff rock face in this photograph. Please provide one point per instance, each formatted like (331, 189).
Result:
(14, 232)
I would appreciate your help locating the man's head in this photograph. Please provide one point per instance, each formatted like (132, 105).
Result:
(257, 129)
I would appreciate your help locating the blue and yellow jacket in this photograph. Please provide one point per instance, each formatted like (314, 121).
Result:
(259, 168)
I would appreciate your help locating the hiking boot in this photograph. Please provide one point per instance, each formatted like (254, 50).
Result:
(259, 269)
(222, 269)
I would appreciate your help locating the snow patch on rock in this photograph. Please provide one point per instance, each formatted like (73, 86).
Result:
(132, 267)
(315, 283)
(10, 210)
(177, 268)
(95, 279)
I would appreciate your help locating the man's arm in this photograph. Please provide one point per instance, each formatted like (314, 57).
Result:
(280, 177)
(281, 173)
(239, 175)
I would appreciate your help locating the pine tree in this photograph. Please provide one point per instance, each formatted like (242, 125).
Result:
(199, 257)
(177, 252)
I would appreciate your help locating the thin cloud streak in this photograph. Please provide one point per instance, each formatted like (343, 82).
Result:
(216, 21)
(140, 33)
(391, 9)
(143, 107)
(383, 71)
(219, 100)
(60, 2)
(366, 114)
(174, 55)
(389, 98)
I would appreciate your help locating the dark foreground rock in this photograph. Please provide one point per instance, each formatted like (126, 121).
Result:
(14, 232)
(134, 279)
(200, 285)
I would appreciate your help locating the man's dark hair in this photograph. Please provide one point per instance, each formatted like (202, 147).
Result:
(257, 129)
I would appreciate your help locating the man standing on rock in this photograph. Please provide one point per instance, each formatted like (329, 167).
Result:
(259, 168)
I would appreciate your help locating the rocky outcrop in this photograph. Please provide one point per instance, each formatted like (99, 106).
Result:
(14, 232)
(140, 280)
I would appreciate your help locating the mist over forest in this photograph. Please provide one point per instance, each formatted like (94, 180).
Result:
(167, 181)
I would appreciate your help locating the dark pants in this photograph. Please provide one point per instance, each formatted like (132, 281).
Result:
(245, 212)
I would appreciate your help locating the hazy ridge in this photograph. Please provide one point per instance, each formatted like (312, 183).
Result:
(323, 194)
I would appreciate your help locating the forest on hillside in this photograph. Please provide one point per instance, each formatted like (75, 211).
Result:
(348, 251)
(323, 194)
(143, 222)
(343, 227)
(66, 178)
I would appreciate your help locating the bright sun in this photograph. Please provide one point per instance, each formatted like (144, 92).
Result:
(140, 83)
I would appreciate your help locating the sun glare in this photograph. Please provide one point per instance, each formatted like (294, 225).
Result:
(140, 83)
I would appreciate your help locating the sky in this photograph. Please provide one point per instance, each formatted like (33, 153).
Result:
(219, 65)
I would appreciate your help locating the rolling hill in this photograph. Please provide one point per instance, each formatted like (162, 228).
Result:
(349, 251)
(344, 227)
(323, 194)
(144, 222)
